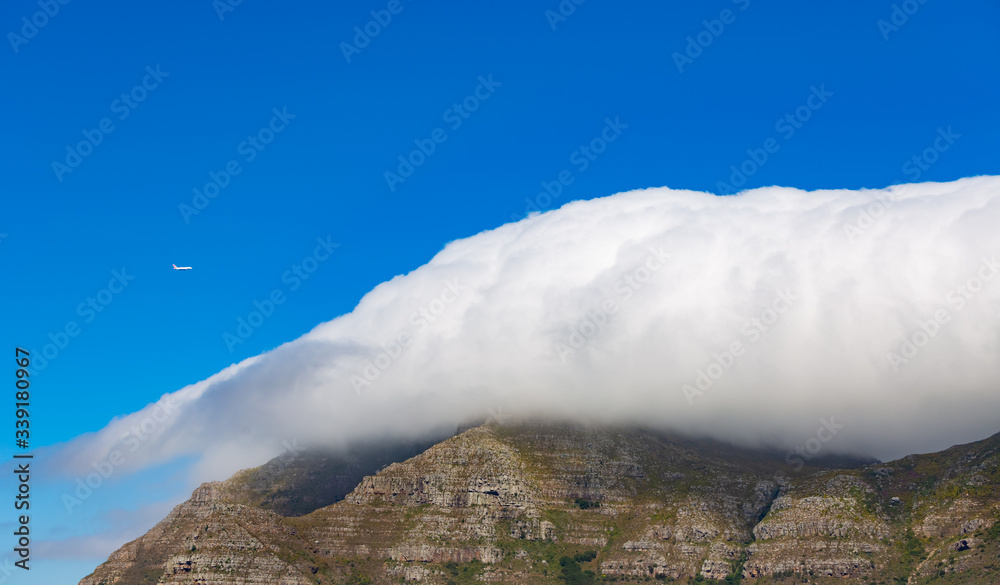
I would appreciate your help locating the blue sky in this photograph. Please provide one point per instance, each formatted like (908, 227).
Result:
(547, 88)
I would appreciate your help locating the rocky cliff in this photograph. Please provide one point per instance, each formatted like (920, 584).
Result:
(542, 503)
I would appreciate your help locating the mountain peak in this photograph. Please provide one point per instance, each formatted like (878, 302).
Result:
(536, 502)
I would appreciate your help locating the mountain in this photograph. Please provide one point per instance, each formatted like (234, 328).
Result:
(536, 503)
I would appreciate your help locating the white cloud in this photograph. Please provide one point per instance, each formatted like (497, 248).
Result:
(492, 344)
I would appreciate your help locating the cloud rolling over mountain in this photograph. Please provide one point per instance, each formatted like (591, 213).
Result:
(748, 318)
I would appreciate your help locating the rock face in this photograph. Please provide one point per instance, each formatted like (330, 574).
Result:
(523, 504)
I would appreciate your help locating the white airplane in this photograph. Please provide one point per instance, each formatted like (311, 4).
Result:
(176, 267)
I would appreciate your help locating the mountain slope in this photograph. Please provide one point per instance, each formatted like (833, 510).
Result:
(527, 503)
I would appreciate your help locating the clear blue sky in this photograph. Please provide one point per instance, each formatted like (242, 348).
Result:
(886, 93)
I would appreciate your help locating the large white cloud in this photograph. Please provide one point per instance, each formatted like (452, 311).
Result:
(836, 280)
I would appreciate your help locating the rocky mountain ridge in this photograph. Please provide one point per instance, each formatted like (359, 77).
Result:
(535, 503)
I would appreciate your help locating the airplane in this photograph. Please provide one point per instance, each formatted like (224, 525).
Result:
(176, 267)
